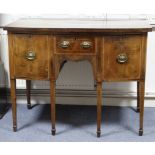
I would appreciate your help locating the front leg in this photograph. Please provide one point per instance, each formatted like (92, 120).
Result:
(141, 102)
(99, 107)
(52, 95)
(14, 105)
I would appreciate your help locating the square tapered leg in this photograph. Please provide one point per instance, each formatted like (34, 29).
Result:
(52, 84)
(99, 107)
(14, 105)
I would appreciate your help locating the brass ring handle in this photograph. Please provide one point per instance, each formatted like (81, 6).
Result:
(30, 55)
(86, 44)
(64, 44)
(122, 58)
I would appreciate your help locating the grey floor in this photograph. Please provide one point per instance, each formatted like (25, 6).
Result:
(77, 123)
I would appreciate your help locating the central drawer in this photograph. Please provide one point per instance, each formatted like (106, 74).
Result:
(74, 44)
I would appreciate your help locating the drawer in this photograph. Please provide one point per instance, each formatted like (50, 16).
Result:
(122, 57)
(74, 44)
(31, 56)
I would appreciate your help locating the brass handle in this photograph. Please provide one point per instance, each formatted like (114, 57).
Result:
(64, 44)
(30, 55)
(122, 58)
(86, 44)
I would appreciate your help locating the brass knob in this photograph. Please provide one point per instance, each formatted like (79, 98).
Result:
(64, 44)
(86, 44)
(122, 58)
(30, 55)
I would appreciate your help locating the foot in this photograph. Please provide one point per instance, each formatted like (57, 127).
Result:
(14, 128)
(140, 132)
(53, 132)
(29, 106)
(98, 134)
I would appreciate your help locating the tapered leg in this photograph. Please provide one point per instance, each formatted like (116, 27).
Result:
(141, 103)
(14, 105)
(99, 107)
(138, 94)
(53, 106)
(28, 93)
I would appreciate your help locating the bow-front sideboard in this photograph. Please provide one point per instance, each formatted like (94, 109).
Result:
(116, 50)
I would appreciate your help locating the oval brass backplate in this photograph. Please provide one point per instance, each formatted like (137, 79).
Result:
(86, 44)
(122, 58)
(30, 55)
(64, 44)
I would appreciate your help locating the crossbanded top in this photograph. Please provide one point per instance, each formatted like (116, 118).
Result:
(79, 25)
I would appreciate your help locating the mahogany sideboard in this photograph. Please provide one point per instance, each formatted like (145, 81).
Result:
(116, 50)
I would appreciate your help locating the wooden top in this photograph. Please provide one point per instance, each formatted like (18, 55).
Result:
(78, 25)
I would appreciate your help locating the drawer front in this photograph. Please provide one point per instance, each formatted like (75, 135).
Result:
(31, 56)
(122, 57)
(74, 44)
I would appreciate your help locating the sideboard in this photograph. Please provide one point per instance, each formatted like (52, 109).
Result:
(116, 50)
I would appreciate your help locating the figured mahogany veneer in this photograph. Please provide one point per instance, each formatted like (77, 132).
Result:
(116, 50)
(132, 47)
(22, 67)
(76, 44)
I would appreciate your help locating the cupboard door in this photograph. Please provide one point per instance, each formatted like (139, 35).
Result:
(31, 56)
(122, 56)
